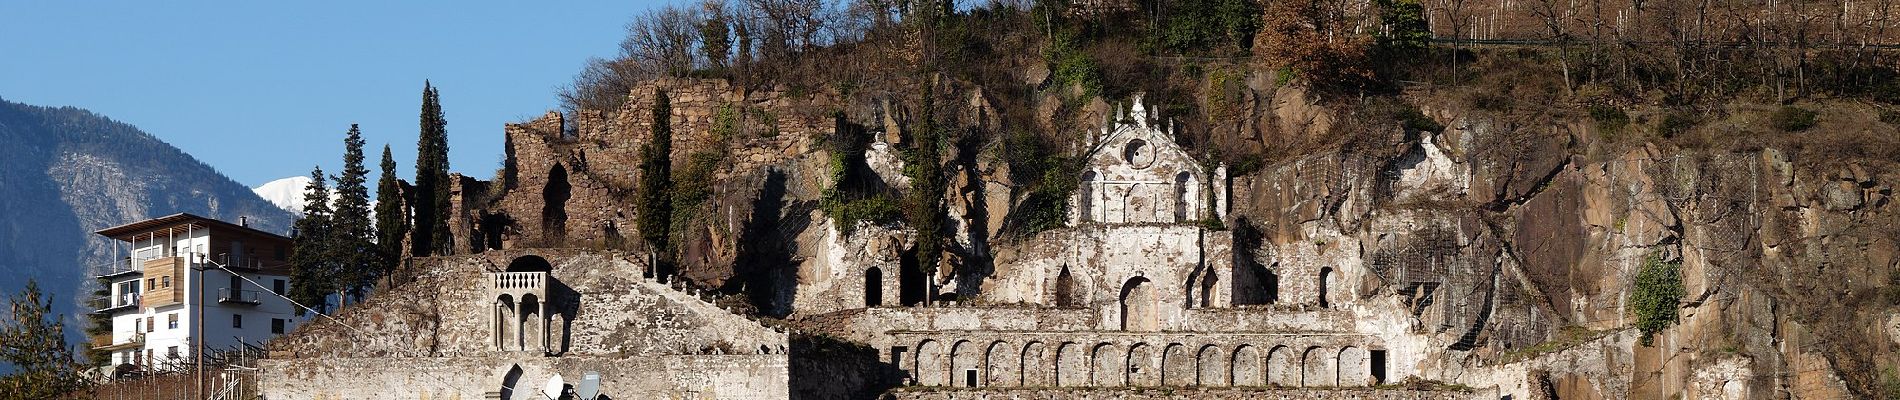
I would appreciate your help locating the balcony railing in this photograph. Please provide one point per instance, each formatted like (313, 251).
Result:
(110, 303)
(137, 339)
(520, 280)
(226, 295)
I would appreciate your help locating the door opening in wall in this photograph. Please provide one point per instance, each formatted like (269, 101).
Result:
(1378, 367)
(969, 378)
(873, 287)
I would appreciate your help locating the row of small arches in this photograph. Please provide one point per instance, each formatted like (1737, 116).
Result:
(1071, 364)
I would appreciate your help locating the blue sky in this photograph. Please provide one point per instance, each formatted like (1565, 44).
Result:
(263, 90)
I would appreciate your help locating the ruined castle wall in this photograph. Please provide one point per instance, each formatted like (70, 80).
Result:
(1235, 394)
(646, 377)
(1108, 359)
(842, 278)
(598, 304)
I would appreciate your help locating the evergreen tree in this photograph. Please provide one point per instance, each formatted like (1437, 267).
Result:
(392, 217)
(715, 40)
(656, 183)
(431, 227)
(33, 340)
(350, 229)
(311, 260)
(924, 207)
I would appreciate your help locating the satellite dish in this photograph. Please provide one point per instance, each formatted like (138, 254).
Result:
(555, 387)
(589, 388)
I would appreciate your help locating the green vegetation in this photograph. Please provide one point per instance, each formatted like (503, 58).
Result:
(431, 228)
(313, 263)
(392, 216)
(924, 208)
(32, 340)
(853, 195)
(1676, 123)
(655, 202)
(1609, 119)
(1655, 299)
(692, 190)
(351, 232)
(1792, 119)
(1190, 26)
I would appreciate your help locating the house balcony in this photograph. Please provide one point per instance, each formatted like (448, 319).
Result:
(245, 297)
(137, 340)
(123, 301)
(520, 283)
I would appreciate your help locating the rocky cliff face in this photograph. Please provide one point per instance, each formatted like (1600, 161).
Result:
(1503, 244)
(66, 172)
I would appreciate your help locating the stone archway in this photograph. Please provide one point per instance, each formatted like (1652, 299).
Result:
(1210, 368)
(1142, 370)
(1177, 366)
(1247, 368)
(1353, 369)
(509, 382)
(529, 263)
(1072, 365)
(1283, 367)
(1138, 306)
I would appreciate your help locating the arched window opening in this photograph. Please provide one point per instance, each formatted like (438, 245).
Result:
(873, 287)
(554, 203)
(1325, 278)
(1182, 182)
(1085, 204)
(1138, 305)
(1065, 289)
(529, 264)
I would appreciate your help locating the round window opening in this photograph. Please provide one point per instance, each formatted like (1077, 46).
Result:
(1139, 154)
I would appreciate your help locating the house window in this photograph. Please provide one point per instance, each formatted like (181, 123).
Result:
(276, 325)
(237, 321)
(171, 352)
(277, 286)
(149, 322)
(151, 283)
(135, 325)
(165, 281)
(171, 321)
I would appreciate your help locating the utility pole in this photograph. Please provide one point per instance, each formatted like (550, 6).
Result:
(197, 337)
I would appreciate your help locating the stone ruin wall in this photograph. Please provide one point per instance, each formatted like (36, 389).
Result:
(598, 153)
(601, 305)
(742, 376)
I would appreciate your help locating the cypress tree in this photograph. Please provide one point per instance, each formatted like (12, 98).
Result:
(924, 207)
(392, 217)
(350, 229)
(431, 235)
(656, 183)
(310, 256)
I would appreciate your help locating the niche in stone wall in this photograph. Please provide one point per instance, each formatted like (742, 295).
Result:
(1182, 182)
(1085, 196)
(1138, 305)
(1065, 289)
(554, 203)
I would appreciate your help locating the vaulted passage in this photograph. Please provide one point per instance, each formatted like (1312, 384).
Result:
(1120, 360)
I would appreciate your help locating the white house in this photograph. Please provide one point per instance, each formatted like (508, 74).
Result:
(188, 279)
